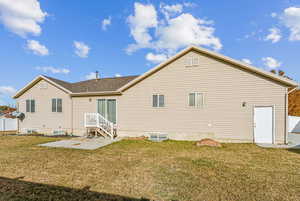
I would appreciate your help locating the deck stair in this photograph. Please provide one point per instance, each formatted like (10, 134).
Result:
(97, 125)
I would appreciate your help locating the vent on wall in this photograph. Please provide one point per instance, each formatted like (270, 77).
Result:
(31, 131)
(191, 61)
(43, 85)
(59, 132)
(157, 136)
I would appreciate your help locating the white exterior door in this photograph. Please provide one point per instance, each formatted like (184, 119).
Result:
(263, 125)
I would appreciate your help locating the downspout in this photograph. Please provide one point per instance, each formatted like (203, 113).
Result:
(72, 108)
(286, 112)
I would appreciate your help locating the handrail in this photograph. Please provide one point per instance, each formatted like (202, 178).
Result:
(98, 121)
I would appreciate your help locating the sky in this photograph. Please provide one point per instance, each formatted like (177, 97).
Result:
(70, 40)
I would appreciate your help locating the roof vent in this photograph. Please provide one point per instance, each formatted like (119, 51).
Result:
(97, 75)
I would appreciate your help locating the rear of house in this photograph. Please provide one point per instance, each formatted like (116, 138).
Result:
(195, 94)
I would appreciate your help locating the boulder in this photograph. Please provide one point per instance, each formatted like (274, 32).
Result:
(208, 142)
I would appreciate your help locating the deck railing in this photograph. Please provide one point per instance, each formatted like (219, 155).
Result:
(96, 120)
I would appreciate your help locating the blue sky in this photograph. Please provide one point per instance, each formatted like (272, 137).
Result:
(71, 39)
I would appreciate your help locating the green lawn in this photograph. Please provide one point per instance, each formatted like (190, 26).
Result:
(130, 170)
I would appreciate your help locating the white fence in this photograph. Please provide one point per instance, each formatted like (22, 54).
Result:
(7, 124)
(294, 124)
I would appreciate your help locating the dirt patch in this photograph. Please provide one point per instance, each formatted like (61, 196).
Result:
(136, 138)
(208, 142)
(7, 132)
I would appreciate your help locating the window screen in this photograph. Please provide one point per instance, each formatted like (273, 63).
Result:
(158, 100)
(196, 99)
(56, 105)
(30, 105)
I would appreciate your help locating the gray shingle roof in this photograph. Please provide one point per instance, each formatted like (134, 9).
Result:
(94, 85)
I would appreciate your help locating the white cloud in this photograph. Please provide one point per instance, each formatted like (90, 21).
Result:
(118, 75)
(156, 58)
(7, 90)
(273, 15)
(53, 70)
(81, 49)
(90, 76)
(37, 48)
(271, 62)
(144, 17)
(274, 35)
(185, 30)
(291, 19)
(172, 32)
(105, 23)
(22, 17)
(170, 10)
(247, 61)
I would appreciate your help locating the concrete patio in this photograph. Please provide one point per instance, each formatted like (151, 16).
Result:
(293, 143)
(82, 143)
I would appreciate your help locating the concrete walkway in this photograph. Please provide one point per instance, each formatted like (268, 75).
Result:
(293, 143)
(82, 143)
(280, 146)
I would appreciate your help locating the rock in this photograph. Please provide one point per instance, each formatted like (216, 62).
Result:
(208, 142)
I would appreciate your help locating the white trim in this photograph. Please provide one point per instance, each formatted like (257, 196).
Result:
(215, 55)
(36, 80)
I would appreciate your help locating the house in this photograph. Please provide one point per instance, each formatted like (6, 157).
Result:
(8, 121)
(193, 95)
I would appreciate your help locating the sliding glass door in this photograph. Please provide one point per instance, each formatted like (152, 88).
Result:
(107, 108)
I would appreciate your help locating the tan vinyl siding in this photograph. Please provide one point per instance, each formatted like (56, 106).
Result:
(43, 119)
(225, 88)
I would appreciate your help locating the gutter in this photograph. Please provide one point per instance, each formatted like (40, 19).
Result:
(105, 93)
(287, 112)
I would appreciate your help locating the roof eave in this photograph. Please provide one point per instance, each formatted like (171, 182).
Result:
(36, 80)
(285, 81)
(104, 93)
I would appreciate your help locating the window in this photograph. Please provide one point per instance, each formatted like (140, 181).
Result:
(196, 99)
(56, 105)
(158, 100)
(30, 105)
(108, 109)
(191, 61)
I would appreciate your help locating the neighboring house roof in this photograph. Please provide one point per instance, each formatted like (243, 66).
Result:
(88, 87)
(110, 86)
(242, 65)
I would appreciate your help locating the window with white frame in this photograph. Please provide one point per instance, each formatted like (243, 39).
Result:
(56, 105)
(192, 61)
(196, 99)
(30, 105)
(158, 100)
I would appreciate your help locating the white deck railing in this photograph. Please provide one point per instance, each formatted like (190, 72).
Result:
(96, 120)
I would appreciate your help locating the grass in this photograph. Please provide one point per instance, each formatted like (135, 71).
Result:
(129, 170)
